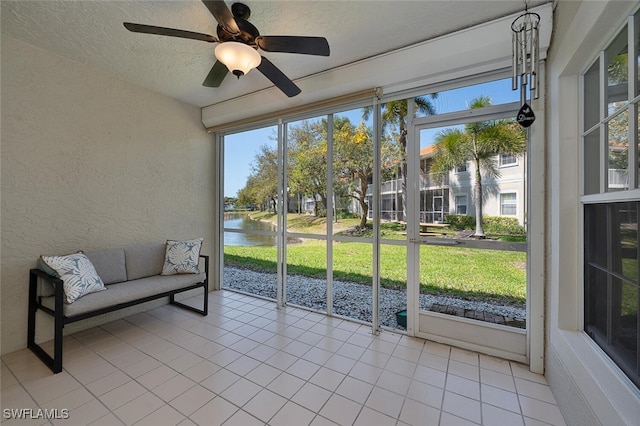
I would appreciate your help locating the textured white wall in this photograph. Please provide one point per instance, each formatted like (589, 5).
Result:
(89, 161)
(589, 388)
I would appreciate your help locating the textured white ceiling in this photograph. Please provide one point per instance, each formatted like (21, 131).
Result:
(91, 32)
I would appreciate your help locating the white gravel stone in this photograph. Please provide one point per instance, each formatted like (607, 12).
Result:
(350, 299)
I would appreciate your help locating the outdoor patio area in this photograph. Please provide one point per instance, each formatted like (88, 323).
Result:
(248, 363)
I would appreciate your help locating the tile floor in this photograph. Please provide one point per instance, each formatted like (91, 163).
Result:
(247, 363)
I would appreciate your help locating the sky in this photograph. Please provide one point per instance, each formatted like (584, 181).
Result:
(240, 149)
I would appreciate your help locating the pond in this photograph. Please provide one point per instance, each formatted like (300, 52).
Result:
(243, 222)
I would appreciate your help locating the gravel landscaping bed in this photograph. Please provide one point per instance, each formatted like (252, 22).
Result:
(354, 300)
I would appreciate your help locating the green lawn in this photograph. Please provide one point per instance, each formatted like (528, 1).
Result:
(472, 273)
(489, 275)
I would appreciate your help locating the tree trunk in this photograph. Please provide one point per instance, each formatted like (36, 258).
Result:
(403, 173)
(477, 190)
(325, 205)
(362, 199)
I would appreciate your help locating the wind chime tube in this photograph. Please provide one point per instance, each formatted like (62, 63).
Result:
(514, 61)
(522, 35)
(532, 85)
(535, 52)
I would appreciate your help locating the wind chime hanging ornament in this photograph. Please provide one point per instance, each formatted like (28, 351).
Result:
(525, 62)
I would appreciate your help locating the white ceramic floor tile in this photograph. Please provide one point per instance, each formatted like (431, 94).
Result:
(414, 413)
(368, 417)
(137, 409)
(462, 406)
(366, 372)
(494, 416)
(192, 400)
(534, 390)
(265, 405)
(263, 374)
(241, 392)
(327, 379)
(311, 396)
(243, 365)
(462, 386)
(214, 413)
(173, 387)
(425, 393)
(394, 382)
(164, 415)
(247, 363)
(286, 385)
(354, 389)
(500, 398)
(292, 415)
(385, 401)
(341, 410)
(220, 380)
(242, 418)
(540, 410)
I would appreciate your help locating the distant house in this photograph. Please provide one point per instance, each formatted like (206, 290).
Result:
(453, 194)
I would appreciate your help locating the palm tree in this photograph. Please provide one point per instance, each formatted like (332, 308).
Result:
(395, 114)
(479, 142)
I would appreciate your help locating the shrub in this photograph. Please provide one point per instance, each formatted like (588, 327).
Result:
(346, 214)
(499, 225)
(502, 225)
(460, 222)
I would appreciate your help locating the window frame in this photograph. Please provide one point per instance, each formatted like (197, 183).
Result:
(466, 204)
(501, 163)
(463, 168)
(514, 204)
(595, 188)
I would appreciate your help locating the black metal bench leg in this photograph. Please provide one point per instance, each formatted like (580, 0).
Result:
(57, 339)
(55, 362)
(206, 298)
(31, 320)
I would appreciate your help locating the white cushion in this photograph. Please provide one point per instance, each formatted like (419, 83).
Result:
(77, 273)
(181, 257)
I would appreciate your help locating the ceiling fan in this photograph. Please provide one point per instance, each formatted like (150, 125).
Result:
(238, 43)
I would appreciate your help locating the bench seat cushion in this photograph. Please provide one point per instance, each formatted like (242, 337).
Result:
(126, 292)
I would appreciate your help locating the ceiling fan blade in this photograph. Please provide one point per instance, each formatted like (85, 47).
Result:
(278, 78)
(223, 15)
(171, 32)
(218, 72)
(294, 44)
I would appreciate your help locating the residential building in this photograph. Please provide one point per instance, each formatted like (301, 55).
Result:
(453, 193)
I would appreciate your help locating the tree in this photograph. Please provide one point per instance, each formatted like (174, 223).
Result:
(307, 154)
(354, 161)
(394, 115)
(478, 142)
(262, 184)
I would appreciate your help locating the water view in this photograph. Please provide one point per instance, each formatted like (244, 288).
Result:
(242, 222)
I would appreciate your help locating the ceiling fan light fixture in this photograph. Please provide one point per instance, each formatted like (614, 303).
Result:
(238, 57)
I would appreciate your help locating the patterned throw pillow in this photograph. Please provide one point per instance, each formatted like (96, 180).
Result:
(77, 273)
(181, 257)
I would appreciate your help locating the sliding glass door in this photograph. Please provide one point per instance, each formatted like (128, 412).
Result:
(408, 215)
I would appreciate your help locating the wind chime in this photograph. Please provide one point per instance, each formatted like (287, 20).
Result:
(525, 62)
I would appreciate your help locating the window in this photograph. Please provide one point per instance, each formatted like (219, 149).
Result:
(611, 281)
(461, 168)
(508, 160)
(461, 204)
(610, 166)
(508, 206)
